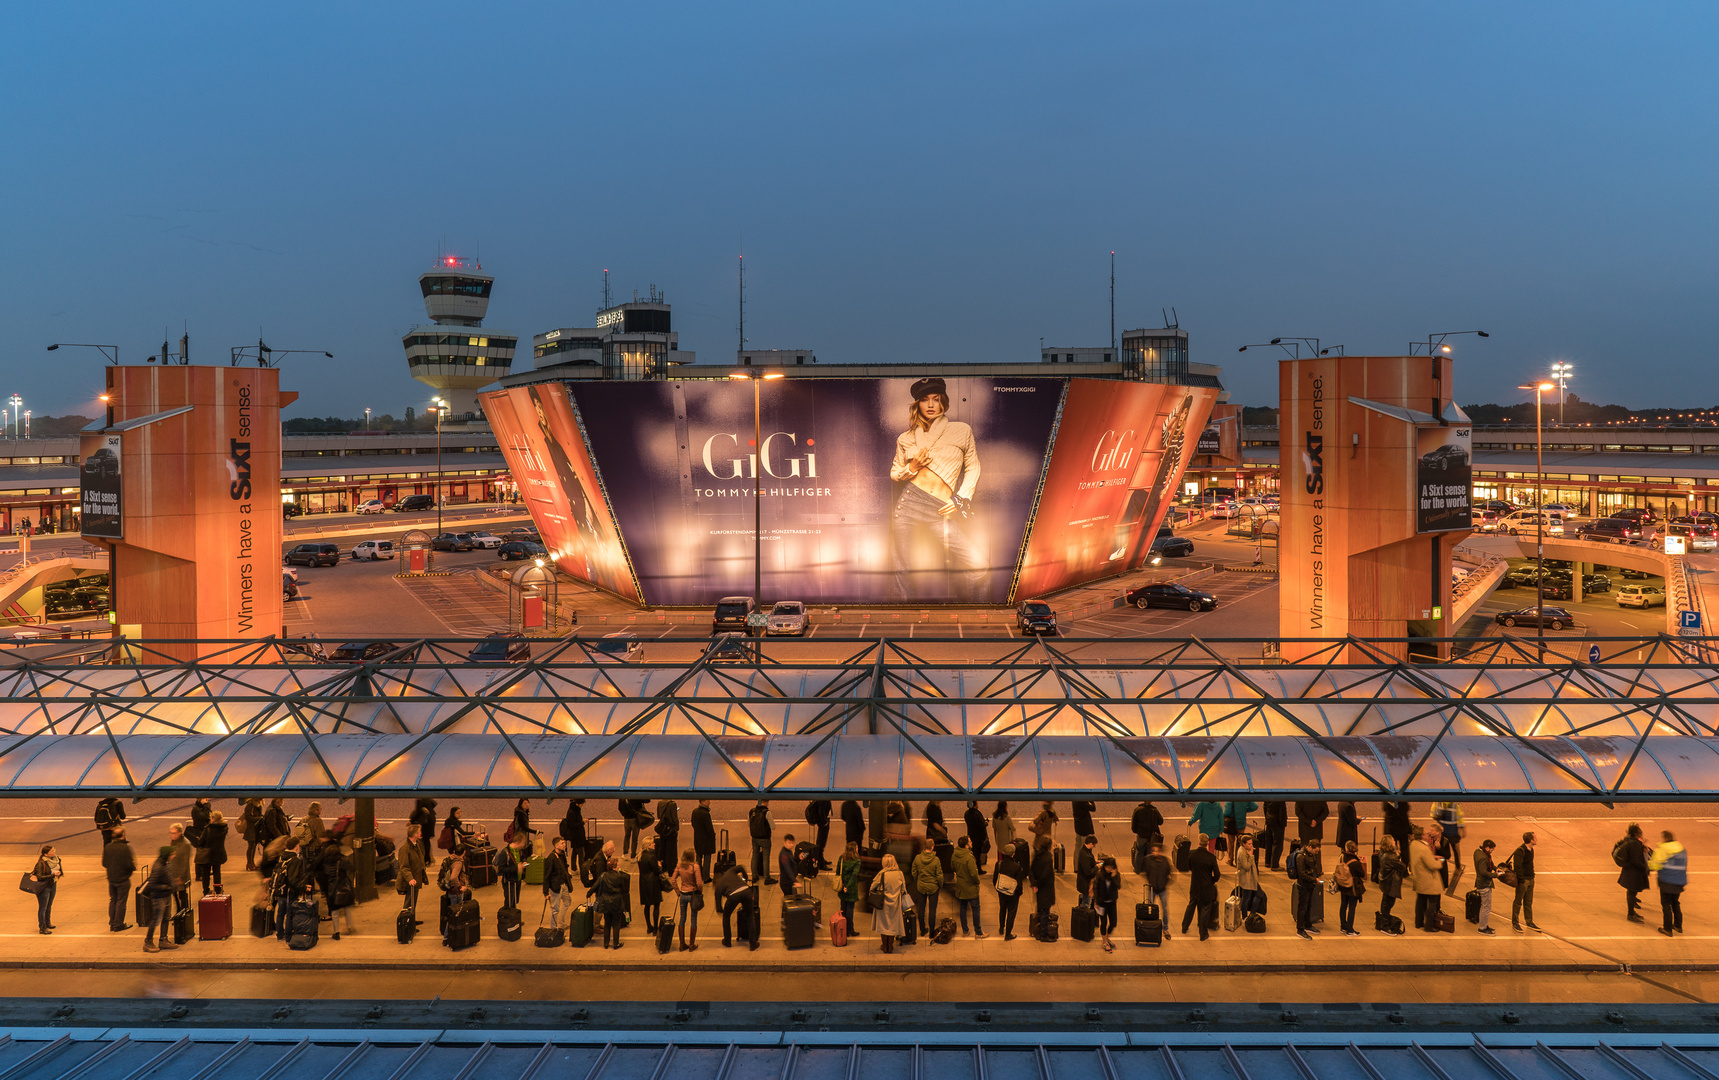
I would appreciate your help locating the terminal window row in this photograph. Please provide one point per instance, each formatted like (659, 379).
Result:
(462, 339)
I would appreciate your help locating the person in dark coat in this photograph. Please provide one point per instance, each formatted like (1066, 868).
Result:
(978, 836)
(1043, 874)
(109, 816)
(212, 853)
(1633, 877)
(250, 817)
(1083, 820)
(1348, 826)
(936, 831)
(424, 817)
(786, 869)
(703, 837)
(1310, 820)
(611, 902)
(853, 819)
(737, 893)
(668, 834)
(1398, 824)
(1012, 865)
(120, 864)
(818, 816)
(158, 890)
(1085, 865)
(522, 821)
(1309, 875)
(1203, 875)
(572, 830)
(650, 883)
(558, 881)
(1276, 825)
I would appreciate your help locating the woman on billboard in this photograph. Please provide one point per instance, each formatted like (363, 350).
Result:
(937, 464)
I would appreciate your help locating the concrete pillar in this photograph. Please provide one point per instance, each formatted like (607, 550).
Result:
(364, 849)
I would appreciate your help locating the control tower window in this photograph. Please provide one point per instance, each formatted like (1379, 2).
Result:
(455, 286)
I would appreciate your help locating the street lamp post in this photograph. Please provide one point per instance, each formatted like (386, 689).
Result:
(366, 418)
(1539, 388)
(17, 414)
(757, 479)
(1562, 371)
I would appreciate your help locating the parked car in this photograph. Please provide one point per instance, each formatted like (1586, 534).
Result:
(1173, 547)
(1616, 529)
(1035, 617)
(369, 506)
(1168, 594)
(1700, 537)
(522, 533)
(621, 645)
(788, 617)
(732, 649)
(486, 540)
(520, 549)
(1641, 596)
(314, 555)
(1563, 509)
(291, 510)
(501, 649)
(1527, 521)
(1640, 514)
(730, 615)
(1222, 510)
(415, 502)
(1497, 506)
(359, 652)
(1553, 618)
(373, 549)
(1629, 574)
(451, 542)
(289, 583)
(1484, 521)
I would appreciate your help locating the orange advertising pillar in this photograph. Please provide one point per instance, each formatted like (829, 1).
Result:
(184, 482)
(1375, 464)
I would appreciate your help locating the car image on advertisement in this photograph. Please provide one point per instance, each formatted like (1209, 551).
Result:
(1552, 618)
(787, 617)
(1035, 617)
(1445, 458)
(1168, 594)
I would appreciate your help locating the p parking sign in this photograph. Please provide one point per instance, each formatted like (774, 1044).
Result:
(1689, 623)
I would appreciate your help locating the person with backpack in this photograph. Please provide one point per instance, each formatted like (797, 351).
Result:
(455, 837)
(703, 837)
(1448, 817)
(520, 826)
(1203, 876)
(1158, 870)
(759, 827)
(1392, 872)
(1009, 878)
(1630, 854)
(668, 831)
(109, 815)
(1424, 868)
(978, 838)
(1522, 905)
(1485, 877)
(926, 877)
(818, 813)
(848, 868)
(1350, 877)
(157, 888)
(1671, 862)
(1276, 826)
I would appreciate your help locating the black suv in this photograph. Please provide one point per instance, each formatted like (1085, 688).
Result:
(416, 502)
(314, 555)
(730, 616)
(1035, 617)
(517, 550)
(1615, 529)
(358, 652)
(501, 649)
(1168, 594)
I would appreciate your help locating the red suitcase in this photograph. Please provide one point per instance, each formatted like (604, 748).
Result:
(838, 930)
(215, 917)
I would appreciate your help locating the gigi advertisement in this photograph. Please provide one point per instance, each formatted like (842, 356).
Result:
(873, 490)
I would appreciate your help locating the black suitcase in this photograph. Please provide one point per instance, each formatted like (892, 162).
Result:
(665, 935)
(946, 856)
(304, 922)
(1148, 932)
(806, 859)
(482, 875)
(463, 925)
(1043, 928)
(405, 927)
(509, 925)
(593, 847)
(1318, 901)
(799, 923)
(1471, 906)
(262, 921)
(1082, 923)
(1373, 874)
(1137, 855)
(184, 925)
(910, 927)
(1059, 859)
(746, 923)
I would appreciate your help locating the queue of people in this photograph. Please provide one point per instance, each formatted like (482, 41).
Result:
(891, 865)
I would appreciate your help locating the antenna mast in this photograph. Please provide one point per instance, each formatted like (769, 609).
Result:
(742, 265)
(605, 288)
(1113, 301)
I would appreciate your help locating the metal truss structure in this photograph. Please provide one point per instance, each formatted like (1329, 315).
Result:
(1034, 720)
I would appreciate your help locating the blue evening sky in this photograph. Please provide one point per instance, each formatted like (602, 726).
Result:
(913, 182)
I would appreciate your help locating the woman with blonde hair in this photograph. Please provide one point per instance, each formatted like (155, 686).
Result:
(887, 918)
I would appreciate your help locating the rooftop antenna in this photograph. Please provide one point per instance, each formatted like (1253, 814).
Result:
(185, 344)
(605, 288)
(742, 266)
(1113, 300)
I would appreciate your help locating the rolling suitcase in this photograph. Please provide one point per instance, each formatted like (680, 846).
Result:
(215, 917)
(1149, 932)
(665, 935)
(581, 926)
(838, 930)
(509, 925)
(262, 921)
(799, 923)
(184, 926)
(1082, 923)
(910, 928)
(463, 925)
(725, 858)
(405, 927)
(1182, 847)
(1232, 912)
(1137, 856)
(1059, 859)
(304, 922)
(482, 875)
(1471, 906)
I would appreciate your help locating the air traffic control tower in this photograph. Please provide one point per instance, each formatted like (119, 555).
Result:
(456, 355)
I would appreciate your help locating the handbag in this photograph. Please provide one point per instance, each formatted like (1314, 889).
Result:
(1507, 876)
(30, 885)
(875, 899)
(698, 900)
(1008, 886)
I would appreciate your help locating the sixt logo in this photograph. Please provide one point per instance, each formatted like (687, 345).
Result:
(239, 469)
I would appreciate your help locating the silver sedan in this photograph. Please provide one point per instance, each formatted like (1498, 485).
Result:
(787, 617)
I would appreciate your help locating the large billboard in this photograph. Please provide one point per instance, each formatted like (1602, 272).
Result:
(873, 490)
(546, 452)
(1120, 452)
(99, 500)
(1443, 479)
